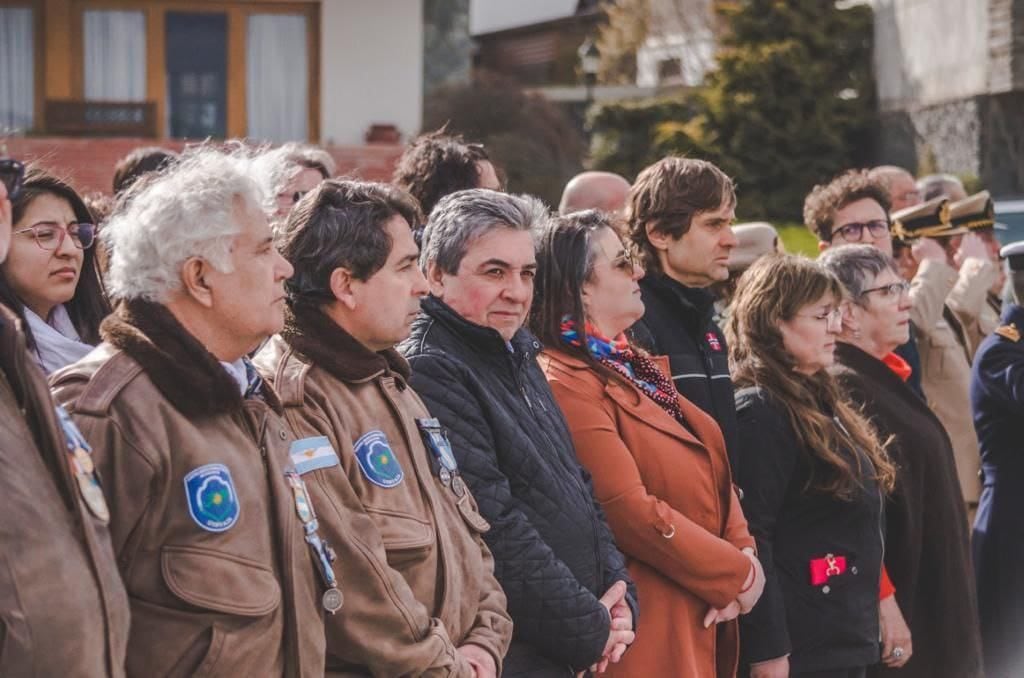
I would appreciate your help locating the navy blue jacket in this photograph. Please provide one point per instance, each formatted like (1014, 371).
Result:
(997, 400)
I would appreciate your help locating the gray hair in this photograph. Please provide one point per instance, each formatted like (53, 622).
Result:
(185, 211)
(284, 162)
(461, 217)
(856, 266)
(934, 185)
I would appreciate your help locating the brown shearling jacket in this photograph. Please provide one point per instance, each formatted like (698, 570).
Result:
(204, 523)
(63, 608)
(419, 580)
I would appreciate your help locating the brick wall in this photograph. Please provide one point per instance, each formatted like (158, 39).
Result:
(89, 163)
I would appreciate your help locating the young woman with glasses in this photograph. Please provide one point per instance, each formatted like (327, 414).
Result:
(50, 277)
(813, 474)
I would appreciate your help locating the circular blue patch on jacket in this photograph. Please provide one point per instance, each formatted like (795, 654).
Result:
(377, 461)
(212, 500)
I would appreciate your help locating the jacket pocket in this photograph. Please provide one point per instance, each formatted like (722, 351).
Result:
(15, 641)
(407, 539)
(219, 581)
(208, 666)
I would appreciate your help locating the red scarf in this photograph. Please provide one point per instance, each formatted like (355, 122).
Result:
(898, 365)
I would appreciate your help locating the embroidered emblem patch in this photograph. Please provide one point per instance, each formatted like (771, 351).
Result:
(377, 461)
(212, 500)
(713, 342)
(310, 454)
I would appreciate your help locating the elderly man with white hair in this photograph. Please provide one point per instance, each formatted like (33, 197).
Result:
(213, 530)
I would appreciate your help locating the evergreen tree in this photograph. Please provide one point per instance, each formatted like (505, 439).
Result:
(792, 101)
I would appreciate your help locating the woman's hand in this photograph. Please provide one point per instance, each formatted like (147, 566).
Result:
(895, 634)
(748, 598)
(727, 613)
(773, 668)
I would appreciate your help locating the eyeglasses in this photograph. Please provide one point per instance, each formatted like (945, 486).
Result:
(891, 291)
(12, 174)
(626, 262)
(49, 235)
(833, 319)
(854, 231)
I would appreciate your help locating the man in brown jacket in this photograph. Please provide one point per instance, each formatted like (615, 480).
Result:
(421, 597)
(63, 608)
(210, 521)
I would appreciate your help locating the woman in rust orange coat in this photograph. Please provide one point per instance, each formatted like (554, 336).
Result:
(658, 462)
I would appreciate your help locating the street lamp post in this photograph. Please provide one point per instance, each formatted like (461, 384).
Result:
(590, 63)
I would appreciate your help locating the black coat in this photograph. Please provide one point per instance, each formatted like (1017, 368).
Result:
(679, 322)
(554, 554)
(826, 626)
(926, 548)
(997, 399)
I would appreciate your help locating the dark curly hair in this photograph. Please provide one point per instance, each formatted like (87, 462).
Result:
(436, 164)
(824, 200)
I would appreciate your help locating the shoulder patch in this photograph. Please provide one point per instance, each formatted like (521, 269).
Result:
(311, 454)
(212, 499)
(1009, 332)
(377, 461)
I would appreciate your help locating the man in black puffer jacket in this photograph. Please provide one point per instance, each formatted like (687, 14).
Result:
(569, 594)
(680, 211)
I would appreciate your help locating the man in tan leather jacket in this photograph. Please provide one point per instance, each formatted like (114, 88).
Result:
(421, 597)
(63, 608)
(209, 520)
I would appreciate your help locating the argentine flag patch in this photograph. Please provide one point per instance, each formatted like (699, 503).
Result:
(311, 454)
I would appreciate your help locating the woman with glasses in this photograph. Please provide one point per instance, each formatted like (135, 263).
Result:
(50, 277)
(813, 475)
(926, 540)
(658, 462)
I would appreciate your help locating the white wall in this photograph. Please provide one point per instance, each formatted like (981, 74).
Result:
(371, 67)
(929, 52)
(486, 16)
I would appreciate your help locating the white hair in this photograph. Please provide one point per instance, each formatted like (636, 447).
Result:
(284, 162)
(185, 211)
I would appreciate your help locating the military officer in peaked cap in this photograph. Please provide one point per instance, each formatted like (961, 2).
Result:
(942, 343)
(997, 400)
(979, 311)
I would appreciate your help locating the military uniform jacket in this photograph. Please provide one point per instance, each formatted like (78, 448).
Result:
(204, 525)
(971, 302)
(418, 578)
(997, 398)
(63, 609)
(945, 364)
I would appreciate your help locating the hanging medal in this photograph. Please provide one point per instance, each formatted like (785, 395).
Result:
(80, 460)
(323, 554)
(441, 450)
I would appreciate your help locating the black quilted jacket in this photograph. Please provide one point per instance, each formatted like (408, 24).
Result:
(554, 554)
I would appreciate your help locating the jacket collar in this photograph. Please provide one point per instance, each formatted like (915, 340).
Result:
(867, 364)
(484, 339)
(180, 367)
(1014, 314)
(312, 333)
(697, 304)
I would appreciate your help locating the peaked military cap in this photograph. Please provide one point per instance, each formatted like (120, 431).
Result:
(1014, 255)
(929, 219)
(975, 212)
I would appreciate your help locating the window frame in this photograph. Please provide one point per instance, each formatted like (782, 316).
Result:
(38, 56)
(237, 13)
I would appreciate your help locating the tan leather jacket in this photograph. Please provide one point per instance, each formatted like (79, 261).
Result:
(203, 521)
(63, 608)
(419, 580)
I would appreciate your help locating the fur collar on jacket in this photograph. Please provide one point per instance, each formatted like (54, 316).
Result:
(180, 367)
(313, 334)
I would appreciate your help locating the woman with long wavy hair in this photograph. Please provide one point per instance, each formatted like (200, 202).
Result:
(813, 474)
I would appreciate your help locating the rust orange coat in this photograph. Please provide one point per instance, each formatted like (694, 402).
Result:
(669, 499)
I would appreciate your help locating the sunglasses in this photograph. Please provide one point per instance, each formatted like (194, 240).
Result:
(49, 235)
(12, 174)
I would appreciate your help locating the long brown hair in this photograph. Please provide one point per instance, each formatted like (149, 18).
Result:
(773, 290)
